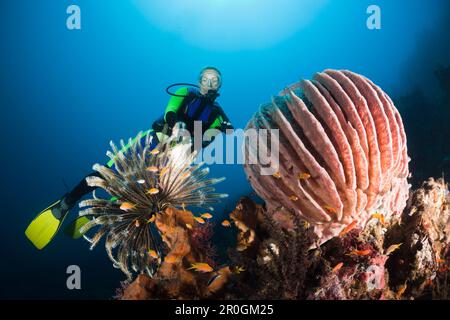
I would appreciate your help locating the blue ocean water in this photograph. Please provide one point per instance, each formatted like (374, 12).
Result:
(64, 94)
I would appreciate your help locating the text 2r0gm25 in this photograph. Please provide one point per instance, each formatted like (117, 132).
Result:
(259, 309)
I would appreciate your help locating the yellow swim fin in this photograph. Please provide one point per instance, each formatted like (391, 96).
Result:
(46, 224)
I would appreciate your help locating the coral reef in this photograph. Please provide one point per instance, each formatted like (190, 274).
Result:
(425, 236)
(406, 257)
(343, 153)
(185, 247)
(276, 261)
(144, 184)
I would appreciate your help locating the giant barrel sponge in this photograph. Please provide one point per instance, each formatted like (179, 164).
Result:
(342, 153)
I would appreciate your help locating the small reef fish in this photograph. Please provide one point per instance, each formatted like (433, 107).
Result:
(163, 171)
(207, 215)
(201, 267)
(239, 269)
(189, 226)
(127, 206)
(154, 152)
(293, 198)
(153, 254)
(171, 259)
(348, 228)
(378, 216)
(241, 247)
(360, 252)
(401, 290)
(153, 191)
(330, 209)
(392, 248)
(304, 176)
(152, 169)
(141, 181)
(337, 267)
(137, 224)
(277, 175)
(186, 174)
(152, 219)
(199, 220)
(226, 223)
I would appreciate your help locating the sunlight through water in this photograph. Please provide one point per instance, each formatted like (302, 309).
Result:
(231, 25)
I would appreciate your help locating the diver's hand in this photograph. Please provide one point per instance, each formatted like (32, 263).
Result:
(171, 118)
(167, 130)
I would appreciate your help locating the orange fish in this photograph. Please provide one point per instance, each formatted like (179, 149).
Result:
(153, 191)
(293, 198)
(330, 209)
(378, 216)
(153, 254)
(189, 226)
(201, 267)
(360, 252)
(154, 152)
(199, 220)
(348, 228)
(170, 259)
(277, 175)
(185, 175)
(226, 223)
(401, 290)
(163, 171)
(440, 261)
(152, 169)
(337, 267)
(137, 224)
(127, 206)
(392, 248)
(304, 176)
(207, 215)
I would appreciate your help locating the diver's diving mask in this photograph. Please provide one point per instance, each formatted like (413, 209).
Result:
(210, 81)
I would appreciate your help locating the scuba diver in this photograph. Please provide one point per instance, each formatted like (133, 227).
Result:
(188, 104)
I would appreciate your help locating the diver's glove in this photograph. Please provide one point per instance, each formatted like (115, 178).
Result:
(171, 120)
